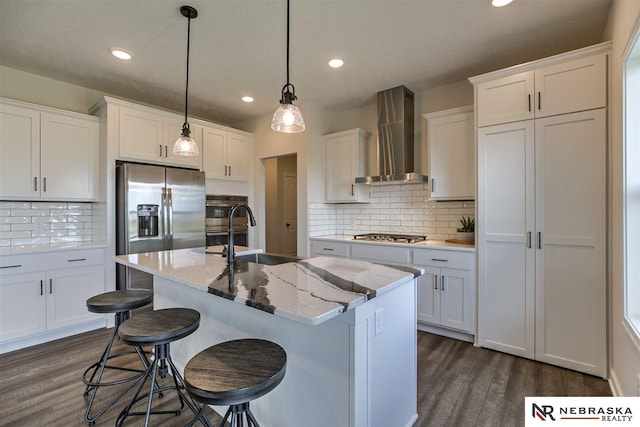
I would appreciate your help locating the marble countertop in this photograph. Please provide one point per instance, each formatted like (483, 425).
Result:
(431, 244)
(310, 291)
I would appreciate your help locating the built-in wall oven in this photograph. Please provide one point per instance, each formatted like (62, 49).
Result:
(217, 220)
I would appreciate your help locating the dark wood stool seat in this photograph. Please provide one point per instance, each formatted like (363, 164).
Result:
(159, 329)
(234, 373)
(121, 303)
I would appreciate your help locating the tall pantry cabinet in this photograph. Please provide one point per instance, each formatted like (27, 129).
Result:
(541, 209)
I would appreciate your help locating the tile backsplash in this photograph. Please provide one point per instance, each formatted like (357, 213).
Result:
(402, 208)
(42, 223)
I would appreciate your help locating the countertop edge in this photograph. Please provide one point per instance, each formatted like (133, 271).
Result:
(429, 244)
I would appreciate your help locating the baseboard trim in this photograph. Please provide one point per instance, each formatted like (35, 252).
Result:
(450, 333)
(614, 384)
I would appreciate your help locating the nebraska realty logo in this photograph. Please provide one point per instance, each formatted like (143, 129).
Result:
(579, 411)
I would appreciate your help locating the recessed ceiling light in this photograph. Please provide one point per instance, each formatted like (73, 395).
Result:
(247, 98)
(500, 3)
(336, 63)
(121, 54)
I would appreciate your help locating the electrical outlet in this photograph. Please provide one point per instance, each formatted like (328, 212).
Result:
(379, 322)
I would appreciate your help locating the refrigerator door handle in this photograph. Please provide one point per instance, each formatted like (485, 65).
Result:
(169, 219)
(164, 221)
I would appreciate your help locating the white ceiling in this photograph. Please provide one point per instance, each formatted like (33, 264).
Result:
(238, 46)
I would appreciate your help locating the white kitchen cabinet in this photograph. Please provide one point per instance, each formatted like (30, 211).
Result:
(345, 160)
(226, 155)
(451, 154)
(541, 239)
(381, 253)
(148, 136)
(43, 296)
(564, 86)
(47, 154)
(328, 248)
(446, 292)
(505, 222)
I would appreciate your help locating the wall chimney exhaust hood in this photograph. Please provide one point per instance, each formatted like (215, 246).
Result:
(395, 139)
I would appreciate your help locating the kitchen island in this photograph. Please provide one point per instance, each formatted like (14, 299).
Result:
(348, 327)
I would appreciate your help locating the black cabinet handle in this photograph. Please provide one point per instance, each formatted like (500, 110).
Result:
(327, 249)
(160, 150)
(77, 259)
(44, 184)
(435, 281)
(442, 283)
(438, 259)
(41, 287)
(35, 183)
(50, 286)
(529, 102)
(12, 266)
(539, 101)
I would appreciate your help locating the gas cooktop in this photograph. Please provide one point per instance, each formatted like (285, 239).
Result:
(394, 238)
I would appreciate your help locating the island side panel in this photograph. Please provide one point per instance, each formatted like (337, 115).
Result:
(339, 373)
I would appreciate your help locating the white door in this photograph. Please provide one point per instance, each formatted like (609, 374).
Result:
(238, 157)
(429, 296)
(19, 152)
(290, 214)
(456, 299)
(505, 220)
(505, 100)
(214, 153)
(68, 157)
(67, 294)
(22, 305)
(140, 136)
(571, 225)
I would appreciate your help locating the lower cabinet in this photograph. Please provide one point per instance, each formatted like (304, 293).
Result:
(446, 292)
(43, 296)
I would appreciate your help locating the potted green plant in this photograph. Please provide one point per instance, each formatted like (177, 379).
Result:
(467, 230)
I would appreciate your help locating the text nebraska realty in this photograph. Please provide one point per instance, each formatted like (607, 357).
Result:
(609, 413)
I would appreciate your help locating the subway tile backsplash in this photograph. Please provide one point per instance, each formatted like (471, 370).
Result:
(43, 223)
(403, 208)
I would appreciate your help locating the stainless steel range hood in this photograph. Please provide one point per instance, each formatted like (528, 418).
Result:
(395, 139)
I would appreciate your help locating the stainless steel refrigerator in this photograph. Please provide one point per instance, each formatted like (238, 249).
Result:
(158, 208)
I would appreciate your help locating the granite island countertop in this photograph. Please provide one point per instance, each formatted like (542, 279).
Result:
(309, 291)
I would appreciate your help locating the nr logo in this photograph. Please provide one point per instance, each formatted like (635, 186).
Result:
(542, 412)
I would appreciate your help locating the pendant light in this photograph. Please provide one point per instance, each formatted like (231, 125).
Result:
(185, 145)
(288, 118)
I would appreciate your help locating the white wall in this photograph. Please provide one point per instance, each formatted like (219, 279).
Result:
(625, 350)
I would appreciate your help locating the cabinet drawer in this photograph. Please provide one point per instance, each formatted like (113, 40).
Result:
(330, 248)
(443, 258)
(26, 263)
(382, 253)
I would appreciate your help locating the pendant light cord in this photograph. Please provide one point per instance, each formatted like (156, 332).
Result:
(287, 42)
(186, 91)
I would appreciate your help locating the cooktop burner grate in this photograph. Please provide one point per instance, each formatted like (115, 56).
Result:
(395, 238)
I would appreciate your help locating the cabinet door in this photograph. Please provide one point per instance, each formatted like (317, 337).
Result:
(572, 86)
(341, 156)
(451, 157)
(456, 299)
(214, 147)
(505, 219)
(67, 294)
(505, 100)
(171, 132)
(429, 296)
(19, 152)
(237, 157)
(571, 259)
(140, 136)
(22, 305)
(69, 157)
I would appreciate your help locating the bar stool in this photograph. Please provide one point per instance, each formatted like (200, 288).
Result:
(121, 303)
(159, 329)
(234, 373)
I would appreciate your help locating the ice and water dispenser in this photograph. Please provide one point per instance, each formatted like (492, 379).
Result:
(147, 220)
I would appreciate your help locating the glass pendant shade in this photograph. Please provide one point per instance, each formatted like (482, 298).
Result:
(287, 119)
(186, 146)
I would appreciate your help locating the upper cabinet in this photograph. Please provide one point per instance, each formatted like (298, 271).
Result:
(345, 160)
(149, 136)
(47, 154)
(563, 86)
(451, 154)
(226, 154)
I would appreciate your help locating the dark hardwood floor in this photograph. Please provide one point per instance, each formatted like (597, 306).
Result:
(458, 385)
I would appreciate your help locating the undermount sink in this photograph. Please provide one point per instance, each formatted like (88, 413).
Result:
(267, 259)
